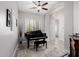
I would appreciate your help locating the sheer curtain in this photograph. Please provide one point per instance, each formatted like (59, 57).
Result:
(31, 22)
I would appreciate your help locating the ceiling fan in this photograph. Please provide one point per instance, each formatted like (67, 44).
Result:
(39, 6)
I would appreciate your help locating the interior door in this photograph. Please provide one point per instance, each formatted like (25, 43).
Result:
(57, 27)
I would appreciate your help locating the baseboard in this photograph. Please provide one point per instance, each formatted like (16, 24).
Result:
(67, 54)
(68, 51)
(14, 53)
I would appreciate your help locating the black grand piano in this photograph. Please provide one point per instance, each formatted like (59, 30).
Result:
(35, 35)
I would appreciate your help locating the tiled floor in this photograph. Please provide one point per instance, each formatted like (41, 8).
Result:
(50, 51)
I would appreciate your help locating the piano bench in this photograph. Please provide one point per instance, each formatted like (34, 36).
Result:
(36, 44)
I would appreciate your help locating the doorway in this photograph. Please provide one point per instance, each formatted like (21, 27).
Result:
(57, 27)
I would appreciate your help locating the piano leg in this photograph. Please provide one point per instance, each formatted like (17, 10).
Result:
(27, 43)
(44, 39)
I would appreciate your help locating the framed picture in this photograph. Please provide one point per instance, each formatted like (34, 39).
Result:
(8, 17)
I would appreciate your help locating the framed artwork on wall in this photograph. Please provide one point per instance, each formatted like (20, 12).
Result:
(9, 18)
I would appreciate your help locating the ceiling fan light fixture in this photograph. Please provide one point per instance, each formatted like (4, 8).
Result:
(39, 7)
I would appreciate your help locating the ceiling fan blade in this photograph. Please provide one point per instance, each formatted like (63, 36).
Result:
(34, 3)
(33, 8)
(44, 4)
(45, 8)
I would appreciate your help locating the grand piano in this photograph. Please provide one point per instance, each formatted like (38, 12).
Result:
(34, 35)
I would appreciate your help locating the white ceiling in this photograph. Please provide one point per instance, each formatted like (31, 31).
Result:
(26, 5)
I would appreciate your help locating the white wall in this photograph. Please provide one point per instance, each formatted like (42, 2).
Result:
(47, 26)
(76, 16)
(71, 20)
(25, 17)
(8, 38)
(68, 22)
